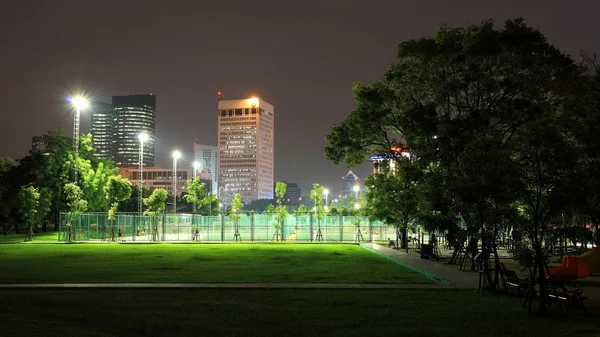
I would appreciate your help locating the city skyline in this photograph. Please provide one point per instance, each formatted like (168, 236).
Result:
(306, 71)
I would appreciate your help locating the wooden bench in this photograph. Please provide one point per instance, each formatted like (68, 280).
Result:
(512, 282)
(557, 292)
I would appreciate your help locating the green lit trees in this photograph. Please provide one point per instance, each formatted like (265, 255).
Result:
(76, 204)
(316, 195)
(234, 215)
(29, 199)
(116, 190)
(155, 207)
(281, 211)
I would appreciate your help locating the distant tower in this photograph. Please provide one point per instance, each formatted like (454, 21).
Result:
(206, 156)
(134, 114)
(102, 129)
(348, 182)
(246, 143)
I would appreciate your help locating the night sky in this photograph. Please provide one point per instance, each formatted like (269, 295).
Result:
(301, 57)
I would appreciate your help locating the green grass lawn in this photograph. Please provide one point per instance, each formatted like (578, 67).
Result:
(278, 313)
(199, 263)
(39, 237)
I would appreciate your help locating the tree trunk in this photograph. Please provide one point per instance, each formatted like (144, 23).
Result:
(17, 231)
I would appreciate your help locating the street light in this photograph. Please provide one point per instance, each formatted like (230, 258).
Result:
(357, 205)
(79, 103)
(326, 193)
(176, 155)
(356, 188)
(142, 137)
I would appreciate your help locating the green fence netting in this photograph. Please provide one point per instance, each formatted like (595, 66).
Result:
(251, 227)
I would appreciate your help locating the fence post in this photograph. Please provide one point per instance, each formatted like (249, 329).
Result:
(370, 230)
(222, 227)
(310, 224)
(252, 226)
(341, 228)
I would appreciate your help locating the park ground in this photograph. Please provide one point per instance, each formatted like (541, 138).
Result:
(250, 312)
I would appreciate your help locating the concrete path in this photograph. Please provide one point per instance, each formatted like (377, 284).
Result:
(221, 286)
(443, 273)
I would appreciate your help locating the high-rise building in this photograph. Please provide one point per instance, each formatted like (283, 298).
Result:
(134, 114)
(349, 181)
(246, 149)
(102, 129)
(206, 156)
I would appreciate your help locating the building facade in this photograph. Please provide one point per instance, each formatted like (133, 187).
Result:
(206, 156)
(349, 181)
(293, 194)
(156, 177)
(102, 129)
(134, 114)
(245, 161)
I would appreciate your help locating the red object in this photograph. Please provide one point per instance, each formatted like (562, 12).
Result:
(571, 269)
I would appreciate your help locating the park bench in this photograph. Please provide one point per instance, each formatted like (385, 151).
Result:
(512, 282)
(557, 292)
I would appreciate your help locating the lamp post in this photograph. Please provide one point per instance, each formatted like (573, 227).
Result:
(79, 103)
(176, 155)
(326, 193)
(142, 137)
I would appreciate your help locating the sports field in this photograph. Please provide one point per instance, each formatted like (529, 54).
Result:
(204, 263)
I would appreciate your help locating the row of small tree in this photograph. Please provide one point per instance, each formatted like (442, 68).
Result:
(491, 128)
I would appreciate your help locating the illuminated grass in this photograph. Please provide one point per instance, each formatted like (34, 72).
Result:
(193, 263)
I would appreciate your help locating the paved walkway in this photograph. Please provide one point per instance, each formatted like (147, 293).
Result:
(221, 286)
(440, 271)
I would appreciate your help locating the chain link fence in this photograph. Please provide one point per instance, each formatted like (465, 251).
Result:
(251, 227)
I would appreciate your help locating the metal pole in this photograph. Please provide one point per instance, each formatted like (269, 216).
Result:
(76, 144)
(194, 179)
(140, 195)
(174, 185)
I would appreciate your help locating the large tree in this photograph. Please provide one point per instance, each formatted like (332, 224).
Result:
(464, 102)
(76, 204)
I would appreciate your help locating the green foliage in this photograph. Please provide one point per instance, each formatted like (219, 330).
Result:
(270, 208)
(205, 203)
(316, 195)
(236, 207)
(302, 209)
(76, 204)
(29, 198)
(281, 211)
(116, 190)
(156, 203)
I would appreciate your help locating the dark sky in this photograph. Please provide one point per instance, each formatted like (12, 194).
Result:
(301, 56)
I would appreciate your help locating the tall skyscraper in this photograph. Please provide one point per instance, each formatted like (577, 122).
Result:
(348, 182)
(134, 114)
(206, 156)
(246, 149)
(102, 129)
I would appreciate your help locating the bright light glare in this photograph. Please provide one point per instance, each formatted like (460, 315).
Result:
(220, 205)
(253, 101)
(326, 191)
(176, 155)
(356, 188)
(143, 137)
(357, 205)
(196, 165)
(79, 102)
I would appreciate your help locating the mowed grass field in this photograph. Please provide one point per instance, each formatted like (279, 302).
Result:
(199, 263)
(248, 312)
